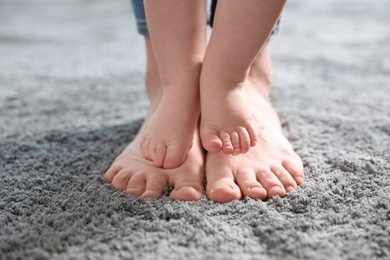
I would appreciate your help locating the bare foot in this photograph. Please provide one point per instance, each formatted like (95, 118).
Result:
(271, 168)
(240, 32)
(133, 174)
(169, 133)
(137, 176)
(178, 35)
(227, 121)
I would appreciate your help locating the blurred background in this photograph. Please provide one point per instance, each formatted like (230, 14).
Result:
(71, 87)
(79, 64)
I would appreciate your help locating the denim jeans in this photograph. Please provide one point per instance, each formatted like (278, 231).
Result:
(139, 12)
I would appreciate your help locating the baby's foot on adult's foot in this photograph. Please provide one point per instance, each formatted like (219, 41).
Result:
(133, 174)
(227, 121)
(169, 133)
(272, 168)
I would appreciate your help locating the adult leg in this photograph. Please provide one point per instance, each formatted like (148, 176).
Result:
(178, 36)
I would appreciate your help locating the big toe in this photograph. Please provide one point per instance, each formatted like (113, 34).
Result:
(158, 155)
(211, 140)
(188, 185)
(223, 191)
(175, 156)
(187, 193)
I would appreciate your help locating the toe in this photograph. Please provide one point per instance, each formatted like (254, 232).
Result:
(221, 187)
(224, 193)
(189, 186)
(160, 153)
(295, 168)
(227, 142)
(235, 139)
(175, 156)
(252, 135)
(245, 140)
(155, 184)
(270, 183)
(187, 193)
(152, 152)
(121, 179)
(276, 191)
(111, 172)
(145, 144)
(250, 187)
(136, 185)
(210, 139)
(285, 178)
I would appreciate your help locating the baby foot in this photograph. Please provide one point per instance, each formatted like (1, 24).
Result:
(272, 168)
(169, 133)
(133, 174)
(227, 121)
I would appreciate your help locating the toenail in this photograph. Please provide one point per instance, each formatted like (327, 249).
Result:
(277, 191)
(188, 188)
(289, 188)
(133, 191)
(222, 187)
(299, 180)
(255, 190)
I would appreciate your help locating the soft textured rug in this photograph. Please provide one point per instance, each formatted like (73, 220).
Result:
(71, 98)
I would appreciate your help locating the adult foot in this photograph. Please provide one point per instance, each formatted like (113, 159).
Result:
(133, 174)
(168, 136)
(271, 168)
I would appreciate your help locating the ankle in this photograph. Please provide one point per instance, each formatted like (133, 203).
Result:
(217, 72)
(153, 86)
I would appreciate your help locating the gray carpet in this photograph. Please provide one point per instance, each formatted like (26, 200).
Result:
(71, 98)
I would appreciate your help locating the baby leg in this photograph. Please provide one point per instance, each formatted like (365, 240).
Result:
(178, 36)
(240, 30)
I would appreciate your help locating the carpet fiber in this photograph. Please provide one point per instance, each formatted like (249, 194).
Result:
(71, 98)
